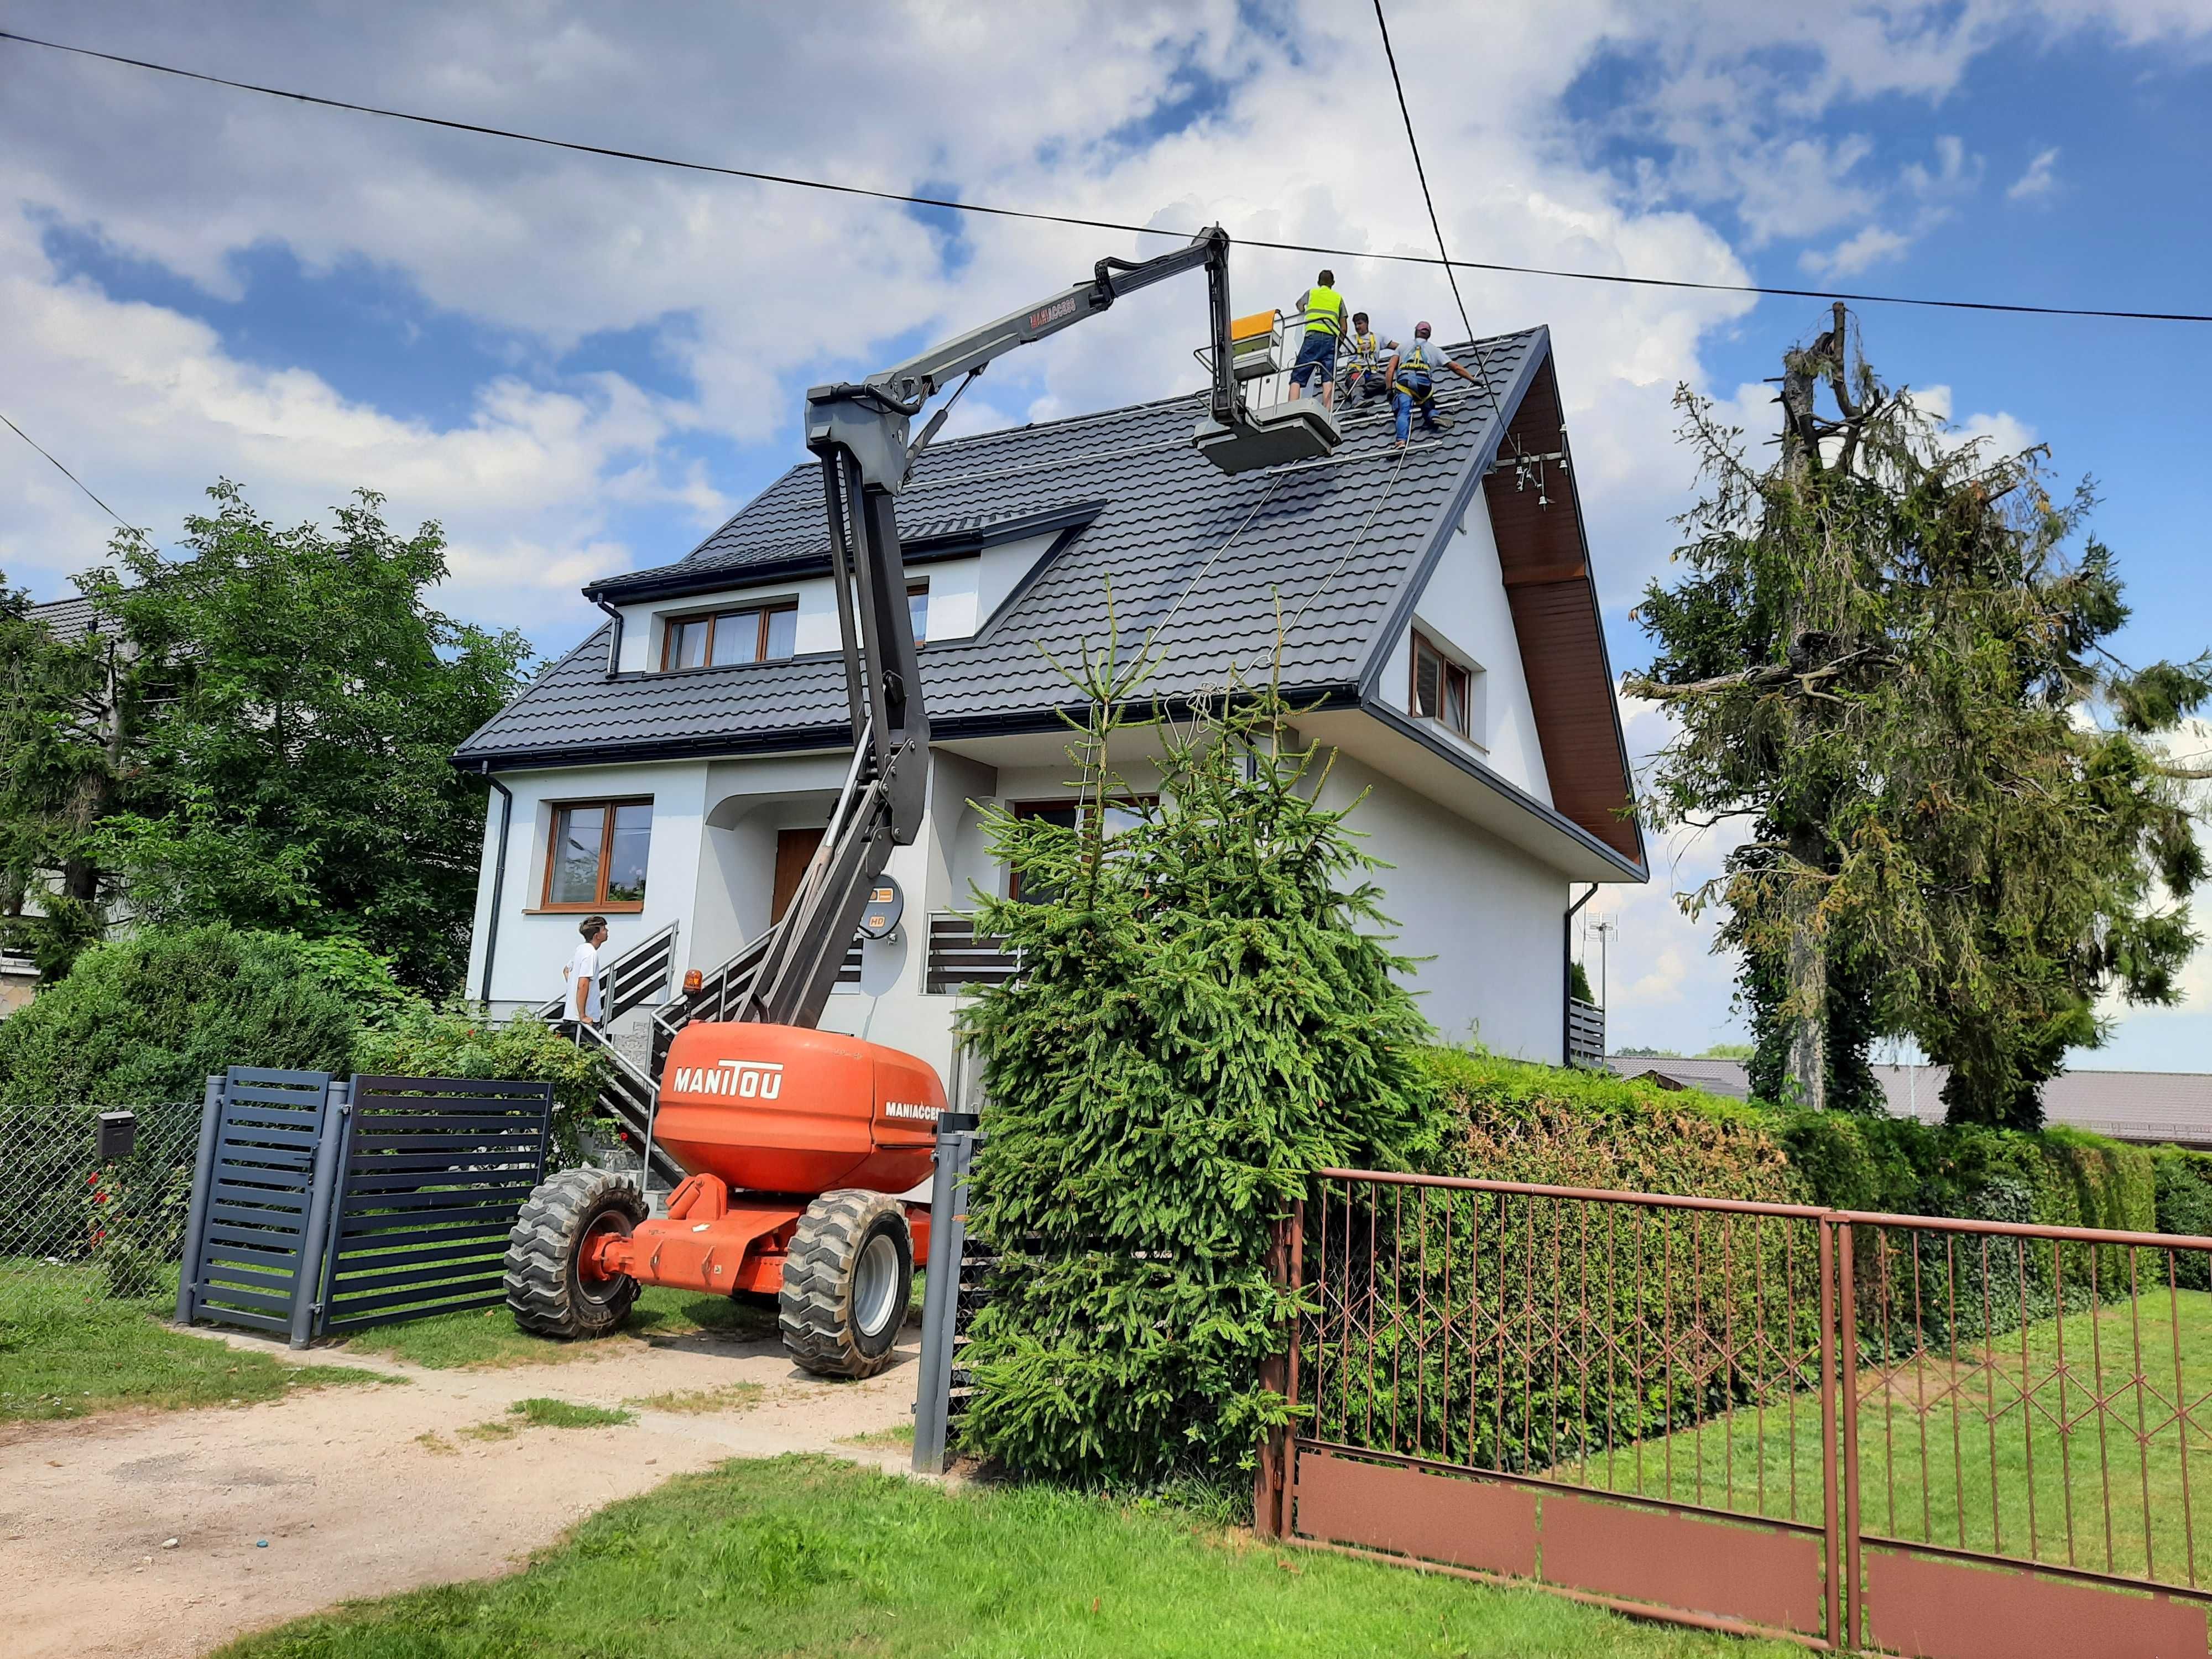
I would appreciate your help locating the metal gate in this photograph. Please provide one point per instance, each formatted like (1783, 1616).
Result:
(434, 1171)
(1955, 1439)
(319, 1205)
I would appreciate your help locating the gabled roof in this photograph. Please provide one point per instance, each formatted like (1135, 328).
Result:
(1337, 549)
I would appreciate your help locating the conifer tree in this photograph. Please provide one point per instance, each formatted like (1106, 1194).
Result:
(1888, 659)
(1207, 1012)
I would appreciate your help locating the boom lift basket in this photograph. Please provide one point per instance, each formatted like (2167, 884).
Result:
(1271, 427)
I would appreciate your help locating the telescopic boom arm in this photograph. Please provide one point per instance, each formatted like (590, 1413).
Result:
(859, 431)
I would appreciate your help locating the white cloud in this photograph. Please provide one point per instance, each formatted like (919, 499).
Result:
(2039, 181)
(1869, 246)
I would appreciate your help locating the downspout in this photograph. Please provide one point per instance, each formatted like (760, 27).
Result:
(614, 639)
(1567, 976)
(498, 880)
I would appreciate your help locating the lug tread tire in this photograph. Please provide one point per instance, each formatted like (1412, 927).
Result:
(814, 1311)
(542, 1247)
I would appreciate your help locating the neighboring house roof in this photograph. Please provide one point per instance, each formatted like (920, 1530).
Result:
(66, 619)
(1200, 560)
(2153, 1107)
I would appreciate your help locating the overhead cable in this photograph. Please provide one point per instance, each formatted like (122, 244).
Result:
(795, 182)
(1429, 200)
(65, 471)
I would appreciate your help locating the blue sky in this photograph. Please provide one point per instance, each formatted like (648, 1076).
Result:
(579, 366)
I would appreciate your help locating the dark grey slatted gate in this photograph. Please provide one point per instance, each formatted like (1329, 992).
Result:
(435, 1170)
(254, 1238)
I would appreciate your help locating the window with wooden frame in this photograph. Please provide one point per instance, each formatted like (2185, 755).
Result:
(1443, 691)
(760, 633)
(917, 609)
(1121, 815)
(597, 856)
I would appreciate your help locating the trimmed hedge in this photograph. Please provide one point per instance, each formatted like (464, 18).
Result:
(1588, 1129)
(1555, 1284)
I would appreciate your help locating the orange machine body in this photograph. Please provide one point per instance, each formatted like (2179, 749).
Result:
(765, 1118)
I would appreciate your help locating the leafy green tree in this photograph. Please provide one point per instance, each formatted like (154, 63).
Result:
(1206, 1013)
(65, 740)
(1886, 659)
(290, 699)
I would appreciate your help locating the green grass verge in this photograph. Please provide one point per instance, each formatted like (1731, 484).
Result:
(543, 1413)
(697, 1402)
(66, 1351)
(807, 1556)
(488, 1336)
(1949, 1453)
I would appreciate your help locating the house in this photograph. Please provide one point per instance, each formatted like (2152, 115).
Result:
(2149, 1108)
(1438, 622)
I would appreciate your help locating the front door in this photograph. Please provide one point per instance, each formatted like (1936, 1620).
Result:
(794, 848)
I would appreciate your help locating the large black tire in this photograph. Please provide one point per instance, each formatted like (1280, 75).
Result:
(847, 1283)
(544, 1284)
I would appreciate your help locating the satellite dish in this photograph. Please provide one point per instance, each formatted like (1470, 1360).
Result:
(886, 904)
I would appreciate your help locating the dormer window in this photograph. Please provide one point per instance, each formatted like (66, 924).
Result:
(760, 634)
(917, 609)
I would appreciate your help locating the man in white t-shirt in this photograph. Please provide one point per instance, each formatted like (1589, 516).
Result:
(582, 973)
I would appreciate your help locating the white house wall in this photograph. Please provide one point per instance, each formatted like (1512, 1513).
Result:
(1487, 914)
(534, 945)
(1463, 608)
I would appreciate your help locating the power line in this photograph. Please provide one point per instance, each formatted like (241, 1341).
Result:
(65, 471)
(795, 182)
(1429, 200)
(1421, 172)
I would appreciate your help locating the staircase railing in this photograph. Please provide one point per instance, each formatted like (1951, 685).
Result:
(626, 1091)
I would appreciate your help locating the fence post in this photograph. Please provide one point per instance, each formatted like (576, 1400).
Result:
(940, 1299)
(1847, 1291)
(1274, 1373)
(188, 1270)
(330, 1142)
(1830, 1512)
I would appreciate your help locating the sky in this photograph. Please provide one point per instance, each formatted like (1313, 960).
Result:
(581, 365)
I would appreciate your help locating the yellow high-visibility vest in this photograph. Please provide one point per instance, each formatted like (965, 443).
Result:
(1324, 310)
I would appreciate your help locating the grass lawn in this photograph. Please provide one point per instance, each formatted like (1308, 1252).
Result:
(65, 1350)
(807, 1556)
(489, 1337)
(1936, 1437)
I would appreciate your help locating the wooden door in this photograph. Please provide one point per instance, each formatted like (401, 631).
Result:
(793, 847)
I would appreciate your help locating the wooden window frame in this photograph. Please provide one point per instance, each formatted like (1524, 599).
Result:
(919, 588)
(1449, 668)
(546, 904)
(1029, 809)
(760, 615)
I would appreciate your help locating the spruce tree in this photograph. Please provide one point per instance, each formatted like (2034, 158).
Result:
(1209, 1010)
(1888, 659)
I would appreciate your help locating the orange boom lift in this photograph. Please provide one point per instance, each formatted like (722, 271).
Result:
(797, 1140)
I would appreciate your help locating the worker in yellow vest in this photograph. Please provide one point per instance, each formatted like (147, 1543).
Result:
(1320, 307)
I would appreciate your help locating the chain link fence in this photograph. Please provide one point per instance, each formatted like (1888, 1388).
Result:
(70, 1222)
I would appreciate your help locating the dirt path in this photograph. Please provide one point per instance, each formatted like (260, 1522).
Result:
(362, 1490)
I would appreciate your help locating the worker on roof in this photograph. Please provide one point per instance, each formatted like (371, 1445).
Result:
(1414, 372)
(1367, 357)
(1321, 309)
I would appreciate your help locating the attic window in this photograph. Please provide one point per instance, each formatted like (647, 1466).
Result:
(917, 609)
(762, 634)
(1443, 691)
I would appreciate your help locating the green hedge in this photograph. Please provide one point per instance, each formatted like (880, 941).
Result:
(1558, 1281)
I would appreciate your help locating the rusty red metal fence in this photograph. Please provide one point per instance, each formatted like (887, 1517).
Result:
(1945, 1437)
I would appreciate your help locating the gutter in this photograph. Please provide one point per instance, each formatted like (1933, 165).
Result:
(498, 881)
